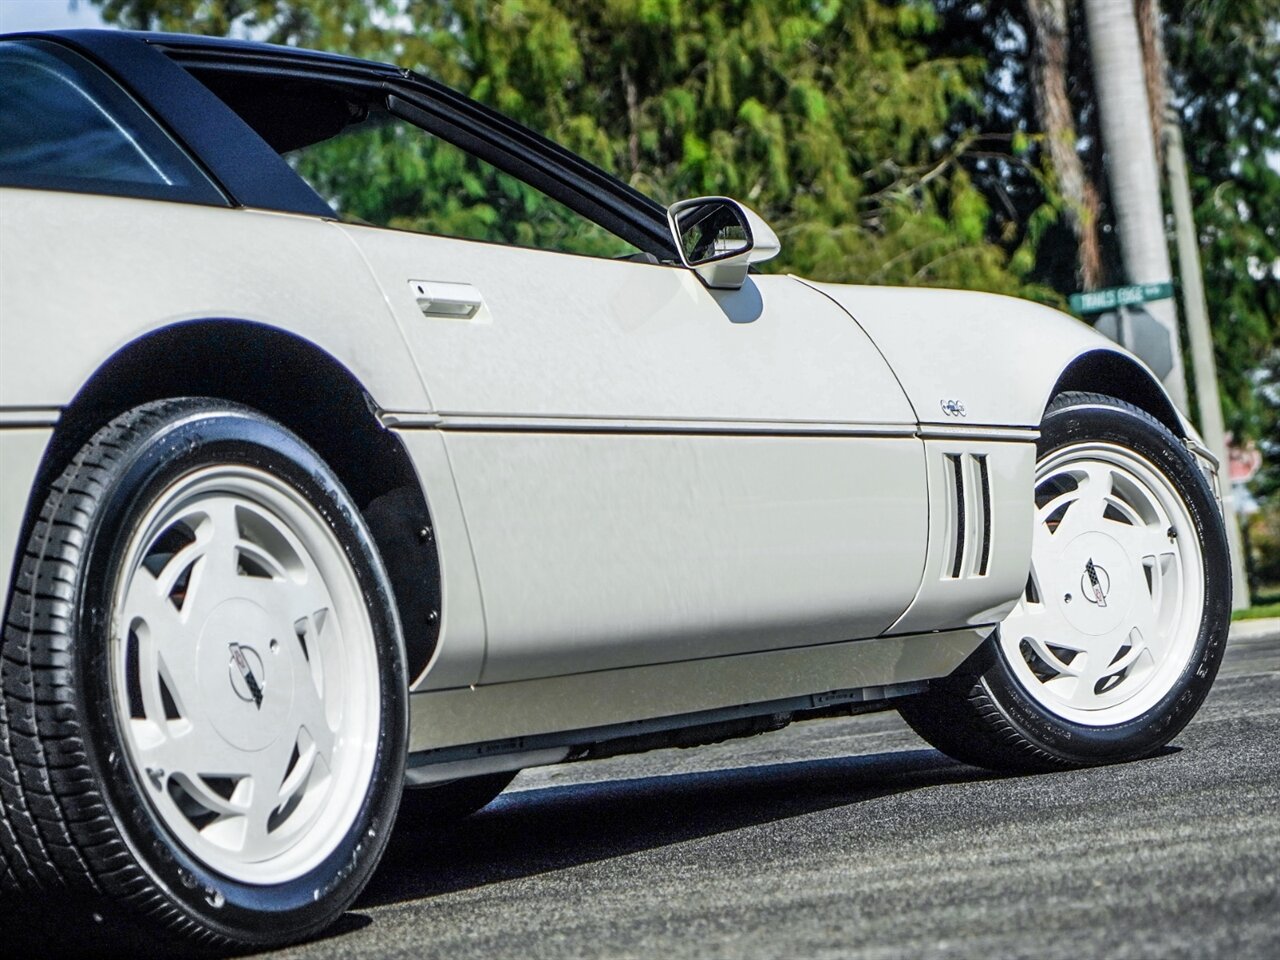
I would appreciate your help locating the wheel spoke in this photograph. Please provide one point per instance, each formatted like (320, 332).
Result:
(287, 600)
(165, 648)
(313, 715)
(192, 750)
(215, 578)
(1087, 508)
(1044, 622)
(1102, 661)
(186, 562)
(1145, 540)
(1144, 632)
(269, 770)
(1046, 547)
(1049, 654)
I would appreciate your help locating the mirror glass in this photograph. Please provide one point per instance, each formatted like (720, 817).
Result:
(711, 230)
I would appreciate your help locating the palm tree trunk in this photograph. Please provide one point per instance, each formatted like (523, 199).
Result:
(1125, 115)
(1155, 68)
(1049, 38)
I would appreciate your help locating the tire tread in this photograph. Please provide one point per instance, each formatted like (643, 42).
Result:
(56, 830)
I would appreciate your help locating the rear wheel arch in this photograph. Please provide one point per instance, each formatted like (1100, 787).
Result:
(306, 389)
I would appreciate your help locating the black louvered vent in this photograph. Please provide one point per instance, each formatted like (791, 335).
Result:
(969, 515)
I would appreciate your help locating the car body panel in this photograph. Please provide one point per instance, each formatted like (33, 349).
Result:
(974, 575)
(510, 713)
(999, 357)
(21, 446)
(651, 472)
(460, 645)
(127, 267)
(597, 551)
(563, 336)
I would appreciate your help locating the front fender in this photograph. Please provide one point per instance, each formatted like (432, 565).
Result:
(1000, 357)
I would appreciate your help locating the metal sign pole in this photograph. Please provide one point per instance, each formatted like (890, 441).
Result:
(1196, 310)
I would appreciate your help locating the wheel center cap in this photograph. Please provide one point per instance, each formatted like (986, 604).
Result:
(246, 679)
(1095, 583)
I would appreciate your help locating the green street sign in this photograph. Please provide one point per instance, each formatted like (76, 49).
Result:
(1096, 301)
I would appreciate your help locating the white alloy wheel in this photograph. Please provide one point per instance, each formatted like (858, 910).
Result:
(1123, 622)
(1112, 608)
(244, 674)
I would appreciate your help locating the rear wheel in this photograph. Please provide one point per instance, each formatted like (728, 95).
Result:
(204, 681)
(8, 841)
(1122, 625)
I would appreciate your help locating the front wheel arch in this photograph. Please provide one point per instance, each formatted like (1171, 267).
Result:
(1116, 375)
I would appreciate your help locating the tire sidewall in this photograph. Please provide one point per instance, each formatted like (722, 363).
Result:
(209, 433)
(1094, 419)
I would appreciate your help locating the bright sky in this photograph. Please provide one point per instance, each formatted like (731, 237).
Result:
(18, 15)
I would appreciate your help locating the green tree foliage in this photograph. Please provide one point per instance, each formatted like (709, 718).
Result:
(834, 119)
(393, 174)
(1039, 222)
(1225, 56)
(1225, 59)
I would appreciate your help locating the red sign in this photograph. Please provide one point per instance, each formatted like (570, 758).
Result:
(1243, 463)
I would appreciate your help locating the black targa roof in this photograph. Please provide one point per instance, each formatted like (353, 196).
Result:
(165, 71)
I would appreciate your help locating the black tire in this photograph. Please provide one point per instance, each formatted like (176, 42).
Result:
(450, 802)
(78, 813)
(983, 714)
(8, 840)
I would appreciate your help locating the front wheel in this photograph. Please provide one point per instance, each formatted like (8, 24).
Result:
(1118, 636)
(204, 681)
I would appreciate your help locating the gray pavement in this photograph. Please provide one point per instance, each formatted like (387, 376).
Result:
(844, 838)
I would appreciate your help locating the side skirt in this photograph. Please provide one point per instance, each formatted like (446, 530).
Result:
(507, 726)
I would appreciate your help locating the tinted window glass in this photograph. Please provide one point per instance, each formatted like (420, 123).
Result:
(65, 125)
(374, 168)
(388, 173)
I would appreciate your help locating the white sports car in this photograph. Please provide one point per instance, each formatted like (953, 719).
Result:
(304, 518)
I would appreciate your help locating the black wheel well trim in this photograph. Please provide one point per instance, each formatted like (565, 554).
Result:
(1113, 373)
(303, 387)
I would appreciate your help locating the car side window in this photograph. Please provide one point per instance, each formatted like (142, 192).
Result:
(375, 168)
(65, 125)
(385, 172)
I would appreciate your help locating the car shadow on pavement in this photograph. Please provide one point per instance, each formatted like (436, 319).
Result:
(534, 831)
(527, 832)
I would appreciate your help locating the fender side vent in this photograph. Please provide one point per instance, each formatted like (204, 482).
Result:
(984, 489)
(955, 467)
(968, 536)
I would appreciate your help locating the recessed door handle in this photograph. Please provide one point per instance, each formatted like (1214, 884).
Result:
(447, 301)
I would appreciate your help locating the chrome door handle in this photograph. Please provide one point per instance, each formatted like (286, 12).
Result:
(449, 301)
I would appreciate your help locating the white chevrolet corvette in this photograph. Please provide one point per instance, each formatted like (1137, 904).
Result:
(303, 518)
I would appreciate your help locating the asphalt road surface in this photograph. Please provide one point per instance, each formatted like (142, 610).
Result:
(840, 838)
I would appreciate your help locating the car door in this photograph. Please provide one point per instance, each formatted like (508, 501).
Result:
(651, 471)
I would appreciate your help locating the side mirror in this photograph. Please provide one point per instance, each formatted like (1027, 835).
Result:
(719, 238)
